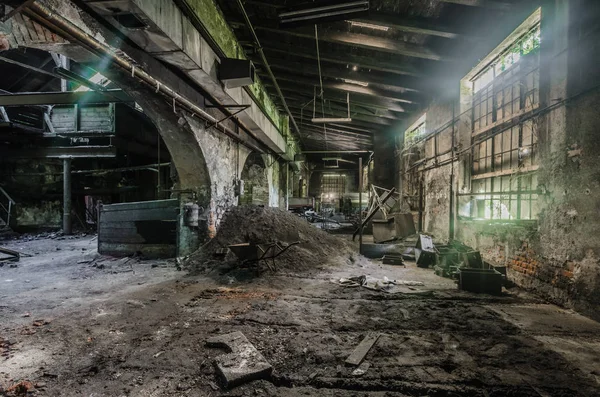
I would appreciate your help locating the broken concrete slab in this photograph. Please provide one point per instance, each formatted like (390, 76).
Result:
(243, 364)
(361, 351)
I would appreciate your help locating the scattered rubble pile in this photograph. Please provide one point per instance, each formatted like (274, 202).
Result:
(260, 225)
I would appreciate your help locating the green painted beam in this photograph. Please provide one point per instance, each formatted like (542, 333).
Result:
(212, 19)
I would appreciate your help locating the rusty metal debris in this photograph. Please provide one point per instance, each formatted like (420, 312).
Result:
(251, 253)
(9, 255)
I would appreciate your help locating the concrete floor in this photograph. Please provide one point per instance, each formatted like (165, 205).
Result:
(76, 324)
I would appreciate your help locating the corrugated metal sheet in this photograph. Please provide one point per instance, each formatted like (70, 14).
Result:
(146, 227)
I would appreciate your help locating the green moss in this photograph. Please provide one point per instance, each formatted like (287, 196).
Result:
(215, 24)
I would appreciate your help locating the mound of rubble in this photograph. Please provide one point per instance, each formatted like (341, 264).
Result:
(260, 225)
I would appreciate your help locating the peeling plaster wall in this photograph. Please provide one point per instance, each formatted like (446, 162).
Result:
(273, 171)
(557, 257)
(45, 214)
(436, 178)
(36, 187)
(224, 160)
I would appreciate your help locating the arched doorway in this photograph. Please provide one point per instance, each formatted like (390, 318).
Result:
(256, 184)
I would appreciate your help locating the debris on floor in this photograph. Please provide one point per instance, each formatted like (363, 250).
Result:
(391, 259)
(361, 351)
(9, 255)
(243, 364)
(376, 284)
(255, 225)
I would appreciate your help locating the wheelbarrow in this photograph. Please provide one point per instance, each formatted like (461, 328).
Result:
(250, 253)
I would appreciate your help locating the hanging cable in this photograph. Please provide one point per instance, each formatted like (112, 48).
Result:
(319, 60)
(322, 94)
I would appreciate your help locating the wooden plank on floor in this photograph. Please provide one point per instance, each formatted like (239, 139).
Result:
(361, 351)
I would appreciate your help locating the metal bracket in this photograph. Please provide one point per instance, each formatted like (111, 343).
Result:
(4, 114)
(243, 107)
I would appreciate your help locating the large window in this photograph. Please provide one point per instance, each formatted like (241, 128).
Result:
(414, 154)
(505, 143)
(333, 187)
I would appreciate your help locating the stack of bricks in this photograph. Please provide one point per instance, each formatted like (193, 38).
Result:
(525, 262)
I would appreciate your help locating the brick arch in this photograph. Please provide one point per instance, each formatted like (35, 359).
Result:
(175, 130)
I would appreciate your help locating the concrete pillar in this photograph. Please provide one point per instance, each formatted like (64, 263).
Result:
(287, 186)
(189, 237)
(67, 226)
(360, 218)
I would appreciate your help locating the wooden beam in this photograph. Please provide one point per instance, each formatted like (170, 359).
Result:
(354, 108)
(343, 138)
(335, 96)
(362, 62)
(358, 119)
(63, 98)
(417, 26)
(393, 84)
(311, 126)
(394, 21)
(492, 4)
(359, 40)
(355, 123)
(341, 86)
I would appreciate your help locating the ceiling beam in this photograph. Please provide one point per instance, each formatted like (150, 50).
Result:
(362, 62)
(353, 127)
(496, 5)
(335, 96)
(354, 108)
(310, 125)
(321, 134)
(356, 124)
(345, 87)
(358, 40)
(337, 113)
(394, 21)
(63, 98)
(417, 26)
(346, 128)
(401, 85)
(58, 152)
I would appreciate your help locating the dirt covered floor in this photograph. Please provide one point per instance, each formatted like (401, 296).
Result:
(76, 324)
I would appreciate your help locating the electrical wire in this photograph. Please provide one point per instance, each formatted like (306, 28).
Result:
(322, 95)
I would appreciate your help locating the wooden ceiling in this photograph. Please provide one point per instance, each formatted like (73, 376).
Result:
(391, 71)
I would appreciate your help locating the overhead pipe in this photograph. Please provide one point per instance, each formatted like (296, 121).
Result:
(267, 66)
(70, 31)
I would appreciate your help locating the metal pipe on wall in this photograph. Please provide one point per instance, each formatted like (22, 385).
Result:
(68, 30)
(266, 65)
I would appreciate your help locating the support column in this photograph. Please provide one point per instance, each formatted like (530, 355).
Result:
(360, 218)
(287, 186)
(67, 196)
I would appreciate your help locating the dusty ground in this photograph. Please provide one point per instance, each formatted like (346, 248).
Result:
(110, 328)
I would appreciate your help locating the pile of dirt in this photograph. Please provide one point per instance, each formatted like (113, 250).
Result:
(260, 225)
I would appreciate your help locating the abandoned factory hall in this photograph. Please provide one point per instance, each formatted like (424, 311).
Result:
(280, 198)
